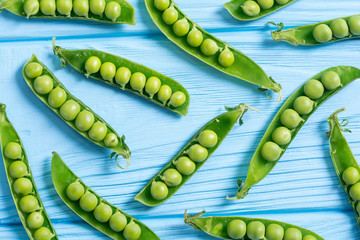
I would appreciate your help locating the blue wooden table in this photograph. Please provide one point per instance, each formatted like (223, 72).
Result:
(303, 188)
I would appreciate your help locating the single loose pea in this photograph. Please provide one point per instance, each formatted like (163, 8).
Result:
(177, 99)
(64, 7)
(31, 7)
(43, 234)
(195, 37)
(314, 89)
(118, 222)
(112, 10)
(208, 138)
(236, 229)
(303, 105)
(23, 186)
(84, 120)
(88, 202)
(274, 232)
(181, 27)
(132, 231)
(355, 192)
(28, 204)
(270, 151)
(81, 8)
(265, 4)
(282, 2)
(13, 150)
(164, 93)
(35, 220)
(69, 110)
(43, 84)
(351, 175)
(75, 191)
(339, 28)
(292, 234)
(98, 131)
(309, 237)
(107, 71)
(331, 80)
(170, 15)
(122, 76)
(354, 25)
(251, 8)
(209, 47)
(226, 58)
(290, 118)
(255, 230)
(152, 86)
(171, 177)
(48, 7)
(111, 140)
(161, 5)
(97, 7)
(281, 135)
(18, 169)
(102, 212)
(322, 33)
(33, 70)
(137, 81)
(159, 190)
(92, 64)
(57, 97)
(197, 153)
(185, 166)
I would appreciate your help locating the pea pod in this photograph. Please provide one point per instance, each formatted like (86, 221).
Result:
(63, 177)
(33, 9)
(268, 153)
(205, 46)
(96, 127)
(22, 185)
(319, 33)
(78, 58)
(181, 167)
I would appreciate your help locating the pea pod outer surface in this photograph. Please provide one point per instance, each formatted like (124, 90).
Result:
(243, 68)
(121, 148)
(62, 177)
(303, 35)
(127, 12)
(77, 59)
(221, 125)
(216, 225)
(259, 168)
(8, 134)
(234, 8)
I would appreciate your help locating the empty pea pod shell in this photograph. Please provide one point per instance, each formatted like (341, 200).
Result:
(8, 134)
(259, 168)
(127, 15)
(62, 177)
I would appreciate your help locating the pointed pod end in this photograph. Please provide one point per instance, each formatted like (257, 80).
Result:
(188, 218)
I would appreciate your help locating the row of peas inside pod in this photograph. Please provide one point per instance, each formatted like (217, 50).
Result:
(195, 38)
(70, 110)
(253, 8)
(351, 177)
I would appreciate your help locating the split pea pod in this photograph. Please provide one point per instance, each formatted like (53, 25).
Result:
(319, 33)
(76, 114)
(290, 118)
(190, 158)
(106, 11)
(126, 75)
(194, 40)
(22, 185)
(92, 208)
(248, 228)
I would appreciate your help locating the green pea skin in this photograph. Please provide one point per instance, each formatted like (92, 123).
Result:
(132, 231)
(185, 166)
(159, 190)
(97, 7)
(290, 118)
(88, 202)
(351, 176)
(112, 10)
(75, 191)
(118, 222)
(354, 25)
(226, 58)
(64, 7)
(322, 33)
(164, 93)
(171, 177)
(43, 234)
(98, 131)
(292, 234)
(107, 71)
(270, 151)
(251, 8)
(255, 230)
(170, 15)
(161, 5)
(197, 153)
(33, 70)
(309, 237)
(23, 186)
(195, 37)
(152, 86)
(69, 110)
(122, 76)
(31, 7)
(13, 150)
(340, 28)
(111, 140)
(35, 220)
(43, 84)
(57, 97)
(48, 7)
(177, 99)
(355, 192)
(81, 8)
(28, 204)
(331, 80)
(282, 2)
(102, 212)
(181, 27)
(18, 169)
(208, 138)
(274, 232)
(236, 229)
(209, 47)
(303, 105)
(265, 4)
(281, 135)
(314, 89)
(137, 81)
(92, 64)
(84, 120)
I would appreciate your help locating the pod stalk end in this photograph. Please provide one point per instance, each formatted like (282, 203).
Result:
(286, 36)
(188, 219)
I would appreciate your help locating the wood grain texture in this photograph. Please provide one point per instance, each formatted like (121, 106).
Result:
(303, 188)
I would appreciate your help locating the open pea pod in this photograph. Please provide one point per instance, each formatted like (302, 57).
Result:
(117, 145)
(260, 167)
(62, 177)
(219, 127)
(235, 8)
(218, 226)
(78, 58)
(242, 66)
(21, 182)
(33, 9)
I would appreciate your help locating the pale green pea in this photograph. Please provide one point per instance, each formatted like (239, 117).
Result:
(351, 176)
(274, 232)
(48, 7)
(303, 105)
(23, 186)
(177, 99)
(98, 131)
(265, 4)
(185, 166)
(209, 47)
(57, 97)
(92, 64)
(355, 192)
(354, 25)
(122, 76)
(152, 86)
(118, 222)
(112, 10)
(81, 8)
(309, 237)
(159, 190)
(111, 140)
(251, 8)
(132, 231)
(292, 234)
(181, 27)
(97, 7)
(255, 230)
(161, 5)
(195, 37)
(208, 138)
(236, 229)
(282, 2)
(107, 71)
(281, 135)
(43, 84)
(18, 169)
(170, 15)
(35, 220)
(28, 204)
(290, 118)
(331, 80)
(322, 33)
(33, 70)
(69, 110)
(64, 7)
(31, 7)
(13, 150)
(197, 153)
(171, 177)
(43, 234)
(339, 28)
(314, 89)
(270, 151)
(164, 93)
(84, 120)
(102, 212)
(137, 81)
(226, 58)
(75, 191)
(88, 202)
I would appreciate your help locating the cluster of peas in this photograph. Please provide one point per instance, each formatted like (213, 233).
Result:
(338, 28)
(195, 37)
(24, 187)
(351, 177)
(80, 7)
(290, 118)
(102, 211)
(252, 8)
(184, 165)
(137, 81)
(70, 110)
(256, 230)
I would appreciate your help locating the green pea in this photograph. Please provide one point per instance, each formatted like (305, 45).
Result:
(64, 7)
(255, 230)
(43, 234)
(23, 186)
(102, 212)
(75, 191)
(48, 7)
(303, 105)
(170, 15)
(107, 71)
(226, 58)
(152, 86)
(164, 93)
(274, 232)
(92, 64)
(112, 10)
(355, 192)
(161, 5)
(122, 76)
(208, 138)
(137, 81)
(209, 47)
(185, 166)
(181, 27)
(69, 110)
(97, 7)
(281, 135)
(251, 8)
(33, 70)
(28, 204)
(57, 97)
(35, 220)
(43, 84)
(81, 8)
(290, 118)
(84, 120)
(331, 80)
(171, 177)
(118, 222)
(88, 202)
(195, 37)
(98, 131)
(265, 4)
(339, 28)
(197, 153)
(236, 229)
(292, 234)
(354, 25)
(322, 33)
(18, 169)
(270, 151)
(13, 150)
(159, 190)
(132, 231)
(282, 2)
(177, 99)
(111, 140)
(309, 237)
(31, 7)
(314, 89)
(351, 176)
